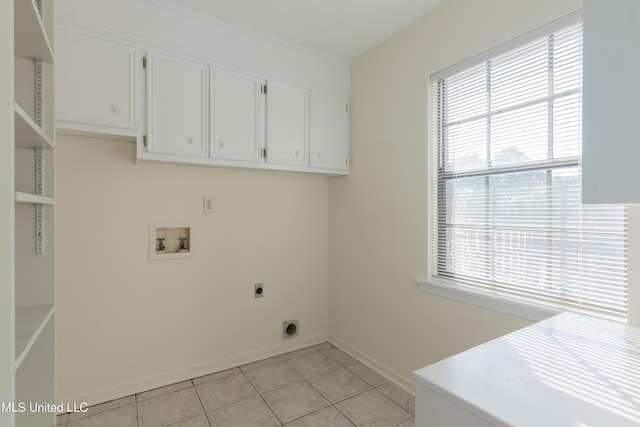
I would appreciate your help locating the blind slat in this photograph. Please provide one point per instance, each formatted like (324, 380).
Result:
(509, 217)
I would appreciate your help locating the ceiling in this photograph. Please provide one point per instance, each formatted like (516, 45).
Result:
(345, 28)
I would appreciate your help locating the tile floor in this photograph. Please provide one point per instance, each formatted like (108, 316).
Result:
(318, 386)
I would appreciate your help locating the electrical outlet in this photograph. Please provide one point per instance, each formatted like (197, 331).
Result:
(208, 204)
(258, 290)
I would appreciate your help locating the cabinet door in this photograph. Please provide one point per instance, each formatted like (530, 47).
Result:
(177, 106)
(236, 113)
(287, 124)
(329, 131)
(610, 149)
(96, 82)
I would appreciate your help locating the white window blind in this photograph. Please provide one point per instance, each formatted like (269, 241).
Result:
(509, 214)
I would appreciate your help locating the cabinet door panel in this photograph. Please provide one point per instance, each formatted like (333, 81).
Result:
(236, 116)
(328, 133)
(96, 81)
(177, 106)
(287, 124)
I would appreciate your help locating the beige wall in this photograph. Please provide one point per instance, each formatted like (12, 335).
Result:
(378, 214)
(126, 324)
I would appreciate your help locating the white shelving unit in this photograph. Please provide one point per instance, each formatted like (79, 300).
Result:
(30, 322)
(27, 203)
(28, 133)
(33, 199)
(31, 37)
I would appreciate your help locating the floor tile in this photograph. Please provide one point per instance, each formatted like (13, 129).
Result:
(295, 401)
(340, 356)
(124, 416)
(338, 385)
(306, 350)
(398, 395)
(169, 408)
(367, 374)
(324, 418)
(323, 346)
(312, 364)
(409, 423)
(163, 390)
(335, 353)
(283, 396)
(216, 376)
(261, 363)
(372, 409)
(248, 413)
(225, 391)
(347, 361)
(103, 407)
(272, 377)
(199, 421)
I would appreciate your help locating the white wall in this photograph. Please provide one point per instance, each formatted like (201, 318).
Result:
(378, 214)
(125, 324)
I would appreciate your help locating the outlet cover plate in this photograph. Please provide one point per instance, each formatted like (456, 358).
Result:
(208, 204)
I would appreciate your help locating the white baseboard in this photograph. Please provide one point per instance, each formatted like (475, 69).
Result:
(406, 384)
(122, 390)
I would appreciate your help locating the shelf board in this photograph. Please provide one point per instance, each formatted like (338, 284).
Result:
(28, 133)
(27, 198)
(30, 321)
(31, 40)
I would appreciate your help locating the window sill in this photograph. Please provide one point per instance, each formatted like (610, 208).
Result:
(487, 299)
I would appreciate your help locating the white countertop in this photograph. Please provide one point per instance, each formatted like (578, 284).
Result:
(568, 370)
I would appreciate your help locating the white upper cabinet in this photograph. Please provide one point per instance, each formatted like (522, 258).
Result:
(97, 82)
(237, 109)
(190, 108)
(329, 131)
(177, 106)
(287, 124)
(611, 130)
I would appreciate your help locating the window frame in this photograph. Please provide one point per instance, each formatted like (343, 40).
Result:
(450, 288)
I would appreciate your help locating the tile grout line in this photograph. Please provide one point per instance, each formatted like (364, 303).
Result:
(204, 411)
(228, 404)
(259, 367)
(392, 399)
(386, 381)
(344, 415)
(401, 422)
(262, 398)
(310, 413)
(187, 419)
(346, 398)
(135, 401)
(340, 366)
(331, 403)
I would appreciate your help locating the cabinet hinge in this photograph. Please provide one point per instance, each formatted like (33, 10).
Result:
(347, 108)
(144, 62)
(263, 89)
(144, 141)
(263, 153)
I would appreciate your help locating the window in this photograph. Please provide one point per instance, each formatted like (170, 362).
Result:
(509, 217)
